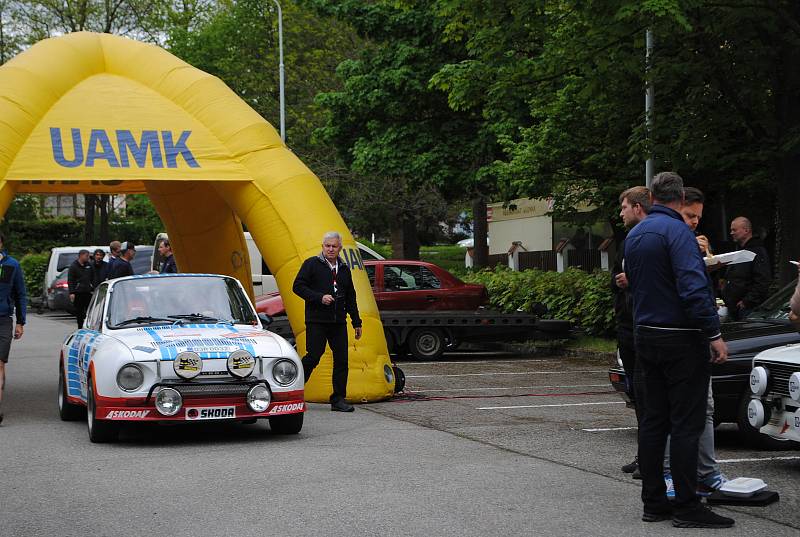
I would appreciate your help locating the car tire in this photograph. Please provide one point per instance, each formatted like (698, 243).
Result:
(399, 379)
(426, 343)
(66, 410)
(100, 431)
(289, 424)
(753, 437)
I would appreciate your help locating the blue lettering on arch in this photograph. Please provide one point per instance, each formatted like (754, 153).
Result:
(58, 148)
(149, 142)
(173, 149)
(106, 152)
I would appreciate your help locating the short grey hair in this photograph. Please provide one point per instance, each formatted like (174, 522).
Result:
(667, 187)
(332, 235)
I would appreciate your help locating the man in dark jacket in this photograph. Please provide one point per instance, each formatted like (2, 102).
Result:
(79, 279)
(634, 206)
(122, 266)
(13, 298)
(326, 285)
(168, 266)
(677, 335)
(746, 284)
(99, 268)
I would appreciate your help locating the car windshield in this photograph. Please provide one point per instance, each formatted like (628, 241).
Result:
(180, 300)
(775, 307)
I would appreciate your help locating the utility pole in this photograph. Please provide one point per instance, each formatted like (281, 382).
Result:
(648, 108)
(281, 71)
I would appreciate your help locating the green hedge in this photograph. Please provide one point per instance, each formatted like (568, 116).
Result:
(574, 295)
(34, 267)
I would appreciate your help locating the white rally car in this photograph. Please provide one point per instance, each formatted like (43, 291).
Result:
(775, 382)
(177, 347)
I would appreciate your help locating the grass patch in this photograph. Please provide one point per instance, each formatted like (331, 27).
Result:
(448, 256)
(592, 343)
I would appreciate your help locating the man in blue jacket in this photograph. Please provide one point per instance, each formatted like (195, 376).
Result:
(677, 336)
(325, 283)
(12, 298)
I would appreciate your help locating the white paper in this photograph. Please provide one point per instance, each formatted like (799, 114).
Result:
(731, 258)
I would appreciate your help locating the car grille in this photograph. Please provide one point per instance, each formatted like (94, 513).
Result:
(212, 389)
(778, 377)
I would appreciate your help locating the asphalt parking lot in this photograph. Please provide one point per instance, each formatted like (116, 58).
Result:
(480, 444)
(563, 410)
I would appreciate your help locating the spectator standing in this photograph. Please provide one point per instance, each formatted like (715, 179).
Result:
(168, 266)
(79, 279)
(325, 283)
(13, 298)
(99, 268)
(634, 206)
(677, 335)
(113, 256)
(746, 284)
(122, 266)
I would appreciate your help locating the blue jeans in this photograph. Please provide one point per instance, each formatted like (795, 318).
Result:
(674, 369)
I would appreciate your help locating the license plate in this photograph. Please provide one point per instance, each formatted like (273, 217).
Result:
(211, 413)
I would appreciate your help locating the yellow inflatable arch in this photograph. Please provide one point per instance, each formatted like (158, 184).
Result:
(96, 113)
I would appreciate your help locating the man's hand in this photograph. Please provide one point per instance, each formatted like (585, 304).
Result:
(621, 280)
(18, 330)
(358, 332)
(740, 305)
(72, 297)
(702, 241)
(327, 300)
(719, 351)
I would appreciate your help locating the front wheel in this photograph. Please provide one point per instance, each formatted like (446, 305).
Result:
(100, 431)
(66, 410)
(752, 435)
(426, 343)
(289, 424)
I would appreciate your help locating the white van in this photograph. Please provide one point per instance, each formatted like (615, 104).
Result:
(62, 257)
(263, 280)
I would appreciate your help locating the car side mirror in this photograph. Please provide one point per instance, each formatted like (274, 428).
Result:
(265, 319)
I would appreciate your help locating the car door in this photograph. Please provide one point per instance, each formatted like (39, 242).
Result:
(411, 287)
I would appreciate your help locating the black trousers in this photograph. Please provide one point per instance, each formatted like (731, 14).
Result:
(674, 370)
(627, 353)
(81, 304)
(335, 335)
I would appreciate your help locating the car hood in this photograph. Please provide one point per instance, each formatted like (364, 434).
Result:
(753, 329)
(209, 341)
(788, 354)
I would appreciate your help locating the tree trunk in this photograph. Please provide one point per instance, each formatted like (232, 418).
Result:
(89, 201)
(480, 233)
(104, 235)
(405, 242)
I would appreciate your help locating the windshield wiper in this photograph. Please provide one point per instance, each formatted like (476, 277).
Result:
(198, 317)
(143, 320)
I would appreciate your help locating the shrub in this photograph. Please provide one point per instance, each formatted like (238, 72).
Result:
(34, 267)
(585, 299)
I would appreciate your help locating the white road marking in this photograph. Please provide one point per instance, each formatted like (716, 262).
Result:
(790, 458)
(602, 430)
(520, 373)
(548, 406)
(606, 385)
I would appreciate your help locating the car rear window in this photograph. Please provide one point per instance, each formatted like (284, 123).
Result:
(65, 260)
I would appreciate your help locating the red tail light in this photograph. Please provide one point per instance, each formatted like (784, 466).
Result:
(61, 285)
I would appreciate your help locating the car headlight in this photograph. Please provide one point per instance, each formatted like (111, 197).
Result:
(241, 363)
(168, 401)
(130, 377)
(757, 415)
(794, 386)
(759, 377)
(284, 372)
(258, 398)
(187, 365)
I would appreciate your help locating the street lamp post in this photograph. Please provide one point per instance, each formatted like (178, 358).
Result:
(280, 71)
(648, 109)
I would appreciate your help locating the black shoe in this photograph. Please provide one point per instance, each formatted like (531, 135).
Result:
(657, 516)
(702, 517)
(631, 466)
(342, 406)
(1, 417)
(636, 474)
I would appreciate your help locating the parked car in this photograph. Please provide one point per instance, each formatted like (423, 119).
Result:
(58, 293)
(177, 348)
(402, 285)
(774, 408)
(766, 327)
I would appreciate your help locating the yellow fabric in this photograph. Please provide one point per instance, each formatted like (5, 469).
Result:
(99, 113)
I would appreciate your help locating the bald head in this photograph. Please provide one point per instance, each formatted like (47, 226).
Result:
(741, 230)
